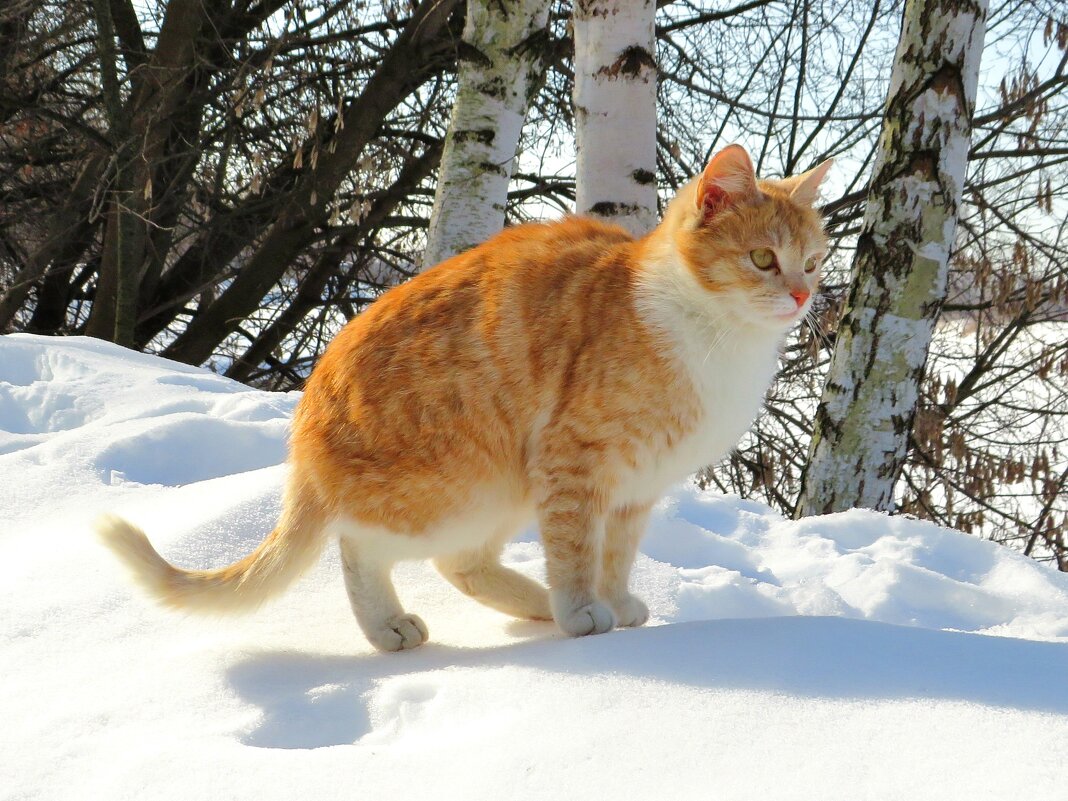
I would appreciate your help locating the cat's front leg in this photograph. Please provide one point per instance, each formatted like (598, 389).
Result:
(571, 530)
(624, 528)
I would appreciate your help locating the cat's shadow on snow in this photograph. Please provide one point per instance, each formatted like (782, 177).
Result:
(311, 701)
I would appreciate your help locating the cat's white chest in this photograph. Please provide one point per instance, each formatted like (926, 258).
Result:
(730, 377)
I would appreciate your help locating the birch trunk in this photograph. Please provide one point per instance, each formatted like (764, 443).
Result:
(500, 63)
(899, 274)
(615, 112)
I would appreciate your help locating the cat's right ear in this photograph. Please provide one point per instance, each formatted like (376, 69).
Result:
(728, 179)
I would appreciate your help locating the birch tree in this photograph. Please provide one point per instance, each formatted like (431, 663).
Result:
(500, 61)
(865, 417)
(615, 112)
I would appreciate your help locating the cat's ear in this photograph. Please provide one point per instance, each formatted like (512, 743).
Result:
(728, 179)
(805, 188)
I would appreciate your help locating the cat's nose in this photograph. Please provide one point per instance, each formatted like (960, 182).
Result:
(800, 296)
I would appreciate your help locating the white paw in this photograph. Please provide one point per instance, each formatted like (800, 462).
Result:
(630, 611)
(399, 633)
(592, 618)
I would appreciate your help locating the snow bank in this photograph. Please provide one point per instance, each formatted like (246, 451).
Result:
(832, 657)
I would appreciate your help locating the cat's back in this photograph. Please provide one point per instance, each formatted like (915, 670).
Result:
(454, 367)
(522, 263)
(563, 248)
(528, 278)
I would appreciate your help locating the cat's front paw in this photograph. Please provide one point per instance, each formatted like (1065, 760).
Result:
(591, 618)
(630, 611)
(399, 633)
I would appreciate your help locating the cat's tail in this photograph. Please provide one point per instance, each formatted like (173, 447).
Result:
(290, 549)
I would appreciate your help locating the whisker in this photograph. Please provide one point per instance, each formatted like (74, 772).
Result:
(817, 332)
(720, 338)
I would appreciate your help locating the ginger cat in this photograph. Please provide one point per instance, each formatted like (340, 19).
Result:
(565, 372)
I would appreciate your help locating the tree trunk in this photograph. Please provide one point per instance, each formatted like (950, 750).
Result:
(115, 308)
(69, 234)
(163, 111)
(143, 141)
(615, 111)
(863, 422)
(400, 72)
(500, 62)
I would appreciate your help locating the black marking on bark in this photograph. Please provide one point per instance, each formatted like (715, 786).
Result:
(923, 164)
(948, 80)
(608, 208)
(605, 208)
(873, 349)
(592, 8)
(629, 63)
(489, 166)
(484, 136)
(495, 88)
(644, 177)
(465, 51)
(827, 426)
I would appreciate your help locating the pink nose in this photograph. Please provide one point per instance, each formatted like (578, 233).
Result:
(800, 296)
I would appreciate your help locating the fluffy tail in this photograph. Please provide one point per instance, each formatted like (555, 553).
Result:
(289, 550)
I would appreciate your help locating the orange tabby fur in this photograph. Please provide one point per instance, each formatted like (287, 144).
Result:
(553, 372)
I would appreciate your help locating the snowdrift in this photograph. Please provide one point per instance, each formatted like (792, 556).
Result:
(838, 657)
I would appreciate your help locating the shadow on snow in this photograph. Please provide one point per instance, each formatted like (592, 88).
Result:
(311, 701)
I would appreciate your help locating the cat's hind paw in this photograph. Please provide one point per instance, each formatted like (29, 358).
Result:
(591, 618)
(400, 633)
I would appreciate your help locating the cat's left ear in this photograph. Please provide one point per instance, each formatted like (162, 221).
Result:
(805, 188)
(728, 179)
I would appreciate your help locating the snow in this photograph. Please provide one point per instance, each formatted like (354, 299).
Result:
(840, 657)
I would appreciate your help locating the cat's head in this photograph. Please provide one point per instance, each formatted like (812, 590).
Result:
(756, 246)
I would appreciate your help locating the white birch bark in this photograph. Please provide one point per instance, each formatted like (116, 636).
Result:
(615, 111)
(899, 273)
(500, 62)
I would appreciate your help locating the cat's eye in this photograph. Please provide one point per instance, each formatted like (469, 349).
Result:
(763, 258)
(812, 263)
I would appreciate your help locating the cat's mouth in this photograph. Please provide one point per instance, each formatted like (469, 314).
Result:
(785, 312)
(773, 319)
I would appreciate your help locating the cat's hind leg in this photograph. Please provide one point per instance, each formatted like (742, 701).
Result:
(480, 574)
(374, 601)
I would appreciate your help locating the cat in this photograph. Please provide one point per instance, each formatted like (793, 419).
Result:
(564, 372)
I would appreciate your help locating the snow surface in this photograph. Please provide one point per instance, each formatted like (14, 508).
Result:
(835, 657)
